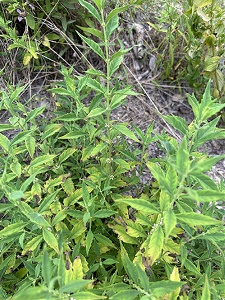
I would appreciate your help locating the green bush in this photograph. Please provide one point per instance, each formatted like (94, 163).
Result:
(76, 221)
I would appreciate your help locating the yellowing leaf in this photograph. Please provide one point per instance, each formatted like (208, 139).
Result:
(33, 52)
(50, 240)
(32, 244)
(77, 269)
(27, 58)
(153, 250)
(46, 42)
(211, 63)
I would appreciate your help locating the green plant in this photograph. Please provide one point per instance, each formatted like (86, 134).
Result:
(206, 26)
(70, 227)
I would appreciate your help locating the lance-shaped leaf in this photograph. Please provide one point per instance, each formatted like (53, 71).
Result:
(194, 219)
(122, 128)
(12, 229)
(50, 130)
(142, 205)
(72, 135)
(170, 221)
(50, 240)
(116, 11)
(204, 195)
(4, 142)
(93, 31)
(32, 244)
(20, 137)
(93, 45)
(91, 9)
(111, 25)
(177, 122)
(114, 65)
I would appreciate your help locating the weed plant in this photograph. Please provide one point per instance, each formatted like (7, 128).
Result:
(70, 227)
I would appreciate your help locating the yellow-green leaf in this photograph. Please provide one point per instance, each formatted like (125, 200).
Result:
(32, 244)
(211, 63)
(27, 58)
(46, 42)
(50, 240)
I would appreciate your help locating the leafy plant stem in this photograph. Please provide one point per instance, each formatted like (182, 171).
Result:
(107, 94)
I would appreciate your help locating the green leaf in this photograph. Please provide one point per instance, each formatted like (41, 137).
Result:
(178, 123)
(123, 235)
(50, 130)
(194, 219)
(28, 181)
(95, 85)
(172, 179)
(33, 216)
(87, 296)
(34, 113)
(96, 112)
(93, 45)
(89, 240)
(75, 286)
(155, 245)
(202, 3)
(182, 158)
(30, 21)
(116, 11)
(72, 135)
(111, 25)
(30, 145)
(104, 213)
(4, 142)
(205, 181)
(50, 240)
(135, 230)
(130, 294)
(4, 127)
(93, 31)
(170, 221)
(194, 105)
(16, 195)
(32, 244)
(211, 63)
(59, 217)
(141, 205)
(46, 267)
(66, 154)
(205, 195)
(162, 287)
(122, 128)
(98, 148)
(163, 180)
(5, 207)
(12, 229)
(128, 265)
(206, 294)
(191, 267)
(100, 4)
(16, 168)
(91, 9)
(42, 160)
(104, 240)
(33, 52)
(70, 117)
(144, 279)
(114, 65)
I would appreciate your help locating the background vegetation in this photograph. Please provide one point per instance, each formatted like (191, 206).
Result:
(77, 220)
